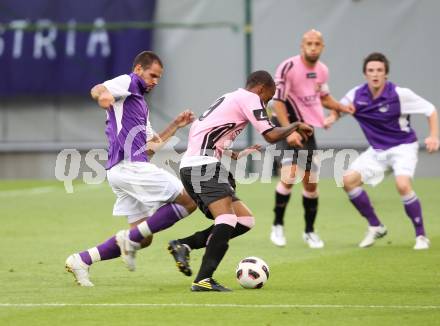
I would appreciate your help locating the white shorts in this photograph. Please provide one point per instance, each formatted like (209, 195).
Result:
(141, 188)
(374, 164)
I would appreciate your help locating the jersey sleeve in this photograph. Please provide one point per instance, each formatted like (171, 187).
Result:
(118, 86)
(325, 89)
(281, 80)
(150, 131)
(349, 97)
(256, 114)
(410, 102)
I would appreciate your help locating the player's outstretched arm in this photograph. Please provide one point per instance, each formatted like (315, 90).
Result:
(102, 95)
(279, 133)
(182, 119)
(331, 119)
(245, 152)
(432, 141)
(330, 103)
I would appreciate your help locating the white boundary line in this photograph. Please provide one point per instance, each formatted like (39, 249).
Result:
(208, 305)
(48, 189)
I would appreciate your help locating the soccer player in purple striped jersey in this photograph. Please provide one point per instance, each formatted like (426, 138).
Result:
(301, 93)
(210, 183)
(150, 197)
(382, 111)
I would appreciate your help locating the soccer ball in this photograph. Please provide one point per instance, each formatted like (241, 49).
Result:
(252, 272)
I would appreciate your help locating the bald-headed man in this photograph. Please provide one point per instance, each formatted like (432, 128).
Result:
(301, 94)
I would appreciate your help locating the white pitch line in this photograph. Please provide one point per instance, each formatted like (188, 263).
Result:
(48, 189)
(195, 305)
(31, 191)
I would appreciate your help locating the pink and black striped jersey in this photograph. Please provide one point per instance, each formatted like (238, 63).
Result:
(301, 89)
(217, 127)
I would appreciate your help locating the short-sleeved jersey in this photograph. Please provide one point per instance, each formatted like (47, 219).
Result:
(301, 88)
(385, 119)
(216, 128)
(127, 120)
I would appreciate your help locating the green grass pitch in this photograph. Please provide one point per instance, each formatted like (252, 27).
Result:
(388, 284)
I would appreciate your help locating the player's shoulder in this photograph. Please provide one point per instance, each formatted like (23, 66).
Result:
(121, 79)
(245, 98)
(322, 66)
(403, 91)
(287, 64)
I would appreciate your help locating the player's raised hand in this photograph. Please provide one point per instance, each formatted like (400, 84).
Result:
(184, 118)
(432, 144)
(295, 139)
(349, 109)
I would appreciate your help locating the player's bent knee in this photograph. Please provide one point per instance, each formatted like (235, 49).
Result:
(192, 206)
(185, 200)
(146, 241)
(403, 185)
(404, 189)
(311, 187)
(351, 181)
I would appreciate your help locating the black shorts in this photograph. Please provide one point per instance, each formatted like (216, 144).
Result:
(302, 157)
(208, 183)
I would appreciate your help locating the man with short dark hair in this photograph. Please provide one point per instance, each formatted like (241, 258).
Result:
(150, 197)
(209, 140)
(382, 111)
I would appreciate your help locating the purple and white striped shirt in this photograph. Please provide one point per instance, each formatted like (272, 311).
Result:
(127, 119)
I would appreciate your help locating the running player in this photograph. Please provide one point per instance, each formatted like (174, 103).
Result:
(382, 111)
(211, 185)
(150, 197)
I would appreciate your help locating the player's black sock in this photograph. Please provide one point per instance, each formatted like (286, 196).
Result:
(198, 240)
(310, 210)
(215, 250)
(280, 207)
(239, 230)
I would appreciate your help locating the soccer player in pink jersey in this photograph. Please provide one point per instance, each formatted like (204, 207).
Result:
(301, 93)
(150, 197)
(209, 182)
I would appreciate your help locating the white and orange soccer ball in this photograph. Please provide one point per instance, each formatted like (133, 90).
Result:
(252, 273)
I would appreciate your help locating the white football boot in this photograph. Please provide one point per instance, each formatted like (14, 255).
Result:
(128, 249)
(313, 240)
(422, 243)
(79, 269)
(277, 235)
(373, 233)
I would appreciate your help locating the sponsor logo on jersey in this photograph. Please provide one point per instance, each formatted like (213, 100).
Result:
(311, 75)
(384, 108)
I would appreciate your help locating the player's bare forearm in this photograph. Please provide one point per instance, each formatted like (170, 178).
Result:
(245, 152)
(182, 119)
(101, 94)
(279, 133)
(167, 133)
(280, 110)
(433, 124)
(432, 141)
